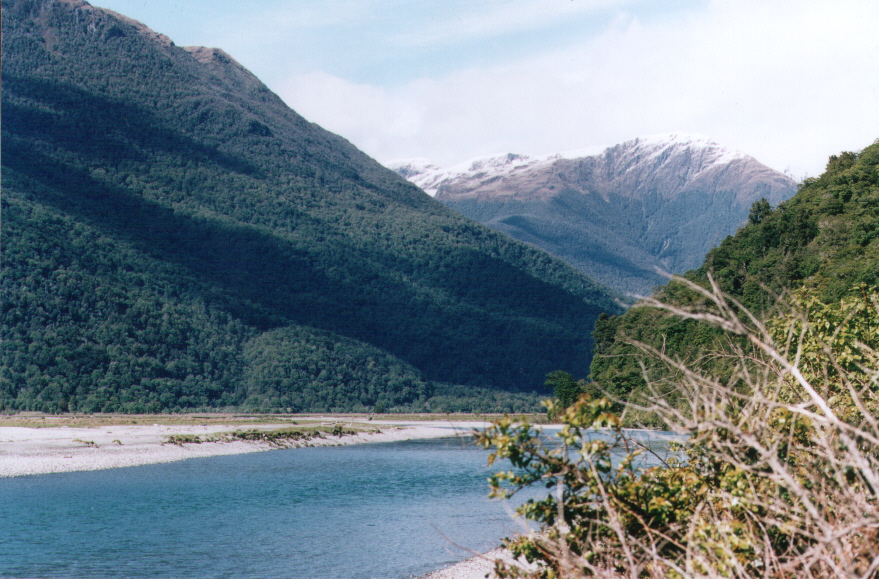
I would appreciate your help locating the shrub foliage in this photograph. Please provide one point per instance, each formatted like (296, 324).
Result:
(777, 469)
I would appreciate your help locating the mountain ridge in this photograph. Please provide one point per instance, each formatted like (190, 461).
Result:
(175, 237)
(429, 176)
(620, 215)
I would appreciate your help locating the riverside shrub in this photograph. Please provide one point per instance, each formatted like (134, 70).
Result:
(777, 475)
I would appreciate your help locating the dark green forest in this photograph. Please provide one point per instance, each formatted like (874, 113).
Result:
(823, 243)
(174, 237)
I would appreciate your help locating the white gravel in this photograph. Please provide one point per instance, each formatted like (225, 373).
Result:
(25, 451)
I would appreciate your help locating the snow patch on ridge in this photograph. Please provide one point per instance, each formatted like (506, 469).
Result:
(715, 154)
(650, 149)
(429, 176)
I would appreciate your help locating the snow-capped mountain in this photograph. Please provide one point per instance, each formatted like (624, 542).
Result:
(618, 213)
(644, 153)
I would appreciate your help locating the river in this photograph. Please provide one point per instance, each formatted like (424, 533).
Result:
(383, 511)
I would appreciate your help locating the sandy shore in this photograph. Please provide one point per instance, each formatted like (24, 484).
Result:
(27, 451)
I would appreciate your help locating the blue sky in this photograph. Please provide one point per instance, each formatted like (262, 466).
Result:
(787, 82)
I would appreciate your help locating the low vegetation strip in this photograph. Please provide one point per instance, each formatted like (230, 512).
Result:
(276, 437)
(284, 435)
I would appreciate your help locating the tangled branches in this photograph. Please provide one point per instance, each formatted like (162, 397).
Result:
(776, 474)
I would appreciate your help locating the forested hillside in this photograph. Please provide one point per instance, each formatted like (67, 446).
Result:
(822, 244)
(175, 237)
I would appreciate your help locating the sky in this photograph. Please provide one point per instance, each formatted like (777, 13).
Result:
(787, 82)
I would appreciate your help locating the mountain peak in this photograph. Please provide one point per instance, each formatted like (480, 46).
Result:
(103, 22)
(660, 147)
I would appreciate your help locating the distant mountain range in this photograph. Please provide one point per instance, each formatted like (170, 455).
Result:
(618, 213)
(175, 238)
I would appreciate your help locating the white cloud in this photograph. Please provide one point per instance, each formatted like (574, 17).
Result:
(789, 83)
(370, 116)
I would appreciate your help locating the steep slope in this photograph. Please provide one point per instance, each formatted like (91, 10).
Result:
(618, 214)
(824, 240)
(174, 237)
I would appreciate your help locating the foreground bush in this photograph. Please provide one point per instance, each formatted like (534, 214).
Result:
(777, 475)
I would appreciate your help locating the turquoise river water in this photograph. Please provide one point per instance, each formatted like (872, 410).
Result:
(384, 511)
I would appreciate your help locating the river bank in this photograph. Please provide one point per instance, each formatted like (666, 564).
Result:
(51, 445)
